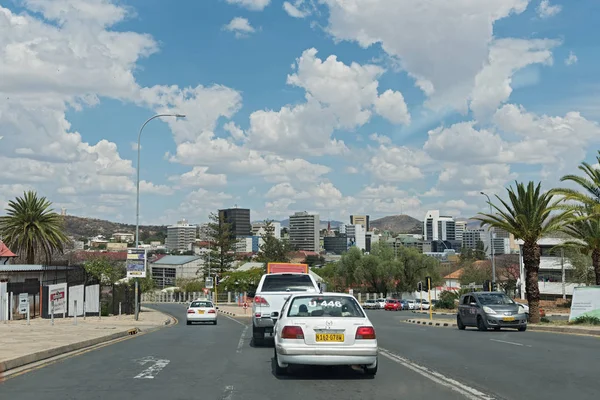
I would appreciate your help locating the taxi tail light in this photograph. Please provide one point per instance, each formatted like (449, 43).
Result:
(292, 332)
(212, 312)
(260, 301)
(190, 311)
(365, 332)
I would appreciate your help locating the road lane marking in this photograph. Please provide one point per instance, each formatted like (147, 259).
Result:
(241, 342)
(227, 393)
(233, 319)
(513, 343)
(467, 391)
(152, 370)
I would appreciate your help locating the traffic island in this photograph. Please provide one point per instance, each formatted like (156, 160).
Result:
(236, 311)
(442, 323)
(24, 344)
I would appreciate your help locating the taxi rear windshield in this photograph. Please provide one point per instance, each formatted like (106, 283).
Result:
(282, 283)
(201, 304)
(325, 306)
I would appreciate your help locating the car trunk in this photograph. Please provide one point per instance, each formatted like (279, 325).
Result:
(330, 332)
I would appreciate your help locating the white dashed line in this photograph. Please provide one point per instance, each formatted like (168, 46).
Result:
(152, 370)
(467, 391)
(227, 393)
(241, 342)
(233, 319)
(513, 343)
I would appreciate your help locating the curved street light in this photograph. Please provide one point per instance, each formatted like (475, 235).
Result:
(491, 244)
(137, 206)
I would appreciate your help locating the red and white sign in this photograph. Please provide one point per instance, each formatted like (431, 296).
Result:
(205, 291)
(57, 297)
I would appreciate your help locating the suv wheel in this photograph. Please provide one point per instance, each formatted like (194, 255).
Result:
(480, 324)
(459, 323)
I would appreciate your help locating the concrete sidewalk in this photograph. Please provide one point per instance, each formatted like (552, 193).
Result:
(23, 344)
(571, 329)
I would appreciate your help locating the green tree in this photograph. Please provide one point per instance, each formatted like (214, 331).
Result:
(584, 230)
(242, 281)
(529, 216)
(273, 249)
(32, 229)
(476, 273)
(582, 271)
(379, 269)
(416, 267)
(589, 200)
(221, 255)
(105, 270)
(349, 262)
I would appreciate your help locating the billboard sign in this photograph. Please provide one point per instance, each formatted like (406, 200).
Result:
(136, 263)
(57, 296)
(351, 241)
(208, 284)
(586, 302)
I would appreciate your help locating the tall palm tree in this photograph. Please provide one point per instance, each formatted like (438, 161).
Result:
(585, 231)
(31, 226)
(530, 216)
(590, 182)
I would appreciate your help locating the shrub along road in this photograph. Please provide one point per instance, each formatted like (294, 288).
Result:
(219, 362)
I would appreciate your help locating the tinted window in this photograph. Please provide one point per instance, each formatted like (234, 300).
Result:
(281, 283)
(325, 306)
(200, 304)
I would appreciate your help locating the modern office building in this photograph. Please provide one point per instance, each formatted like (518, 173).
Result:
(362, 220)
(238, 220)
(471, 237)
(355, 234)
(438, 227)
(180, 236)
(258, 229)
(460, 227)
(304, 231)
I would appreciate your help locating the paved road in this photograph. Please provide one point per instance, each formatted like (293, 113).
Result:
(219, 362)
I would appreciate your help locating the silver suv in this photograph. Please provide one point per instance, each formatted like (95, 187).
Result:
(486, 310)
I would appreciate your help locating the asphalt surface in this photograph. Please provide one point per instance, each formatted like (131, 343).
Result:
(220, 362)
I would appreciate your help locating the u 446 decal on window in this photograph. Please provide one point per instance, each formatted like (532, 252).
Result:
(324, 303)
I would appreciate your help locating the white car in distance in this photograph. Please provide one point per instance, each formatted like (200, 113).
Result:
(202, 311)
(324, 329)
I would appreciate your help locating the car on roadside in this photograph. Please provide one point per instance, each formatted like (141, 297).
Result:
(381, 302)
(411, 304)
(486, 310)
(424, 304)
(391, 305)
(403, 304)
(370, 305)
(324, 329)
(201, 311)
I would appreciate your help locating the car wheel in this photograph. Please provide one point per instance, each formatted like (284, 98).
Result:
(460, 324)
(522, 328)
(258, 335)
(279, 371)
(480, 324)
(372, 371)
(215, 322)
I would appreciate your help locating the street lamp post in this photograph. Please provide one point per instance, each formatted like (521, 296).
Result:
(492, 250)
(137, 205)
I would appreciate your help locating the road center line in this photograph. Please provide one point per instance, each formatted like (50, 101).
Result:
(242, 337)
(467, 391)
(513, 343)
(227, 393)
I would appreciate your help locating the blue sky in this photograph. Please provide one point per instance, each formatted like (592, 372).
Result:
(308, 105)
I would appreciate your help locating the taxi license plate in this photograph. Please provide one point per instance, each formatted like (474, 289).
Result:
(508, 319)
(330, 337)
(200, 311)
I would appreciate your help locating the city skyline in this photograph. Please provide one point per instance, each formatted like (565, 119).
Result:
(311, 107)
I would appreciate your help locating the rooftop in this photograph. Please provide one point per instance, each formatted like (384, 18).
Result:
(5, 251)
(176, 260)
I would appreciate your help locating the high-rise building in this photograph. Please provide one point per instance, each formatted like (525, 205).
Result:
(355, 234)
(461, 226)
(471, 237)
(238, 220)
(304, 231)
(362, 220)
(180, 236)
(438, 227)
(258, 229)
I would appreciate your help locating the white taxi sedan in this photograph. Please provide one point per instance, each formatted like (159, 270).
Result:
(324, 329)
(202, 311)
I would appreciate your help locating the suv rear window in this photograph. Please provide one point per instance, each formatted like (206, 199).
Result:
(325, 306)
(281, 283)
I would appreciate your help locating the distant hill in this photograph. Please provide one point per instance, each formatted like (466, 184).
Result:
(398, 224)
(80, 227)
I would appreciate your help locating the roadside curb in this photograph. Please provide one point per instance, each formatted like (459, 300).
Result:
(430, 323)
(57, 351)
(434, 313)
(563, 329)
(234, 315)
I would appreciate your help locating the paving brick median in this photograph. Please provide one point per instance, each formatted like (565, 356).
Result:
(23, 344)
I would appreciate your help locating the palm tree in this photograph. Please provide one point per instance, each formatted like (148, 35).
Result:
(585, 231)
(31, 226)
(529, 216)
(590, 199)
